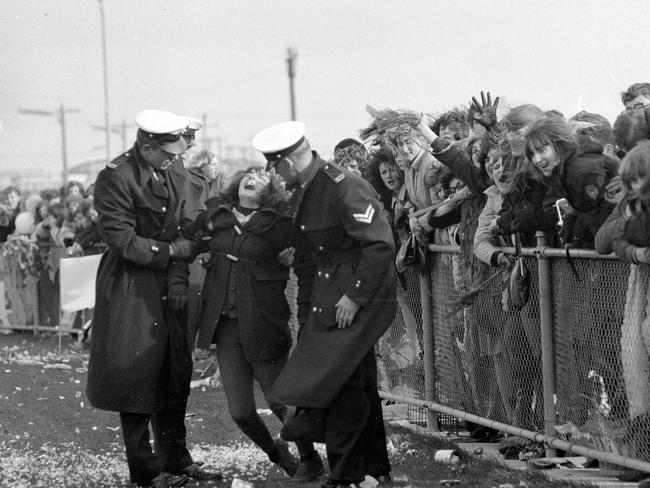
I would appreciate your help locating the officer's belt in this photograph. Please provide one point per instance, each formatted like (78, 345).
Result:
(333, 258)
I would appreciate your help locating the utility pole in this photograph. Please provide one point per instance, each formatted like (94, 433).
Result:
(204, 140)
(292, 54)
(116, 129)
(105, 71)
(60, 116)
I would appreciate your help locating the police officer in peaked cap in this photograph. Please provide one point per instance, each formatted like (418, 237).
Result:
(140, 363)
(346, 301)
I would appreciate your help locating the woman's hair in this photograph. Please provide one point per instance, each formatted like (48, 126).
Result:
(636, 166)
(457, 118)
(485, 143)
(202, 158)
(635, 90)
(551, 131)
(385, 154)
(516, 119)
(275, 191)
(599, 131)
(629, 129)
(445, 181)
(70, 184)
(521, 116)
(60, 213)
(348, 149)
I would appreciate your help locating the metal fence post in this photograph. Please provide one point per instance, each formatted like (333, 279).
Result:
(428, 340)
(548, 349)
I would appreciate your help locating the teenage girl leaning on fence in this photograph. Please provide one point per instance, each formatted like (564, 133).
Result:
(627, 233)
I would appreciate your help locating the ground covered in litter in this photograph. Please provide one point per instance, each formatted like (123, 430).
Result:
(50, 436)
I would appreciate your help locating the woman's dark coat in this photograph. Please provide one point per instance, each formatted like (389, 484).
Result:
(244, 260)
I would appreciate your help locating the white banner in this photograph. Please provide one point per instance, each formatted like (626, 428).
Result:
(77, 281)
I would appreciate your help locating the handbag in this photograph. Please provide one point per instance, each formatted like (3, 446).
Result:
(519, 286)
(410, 253)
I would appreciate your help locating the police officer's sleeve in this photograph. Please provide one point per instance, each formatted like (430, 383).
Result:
(361, 215)
(118, 224)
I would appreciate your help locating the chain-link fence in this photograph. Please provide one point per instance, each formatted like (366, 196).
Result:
(489, 357)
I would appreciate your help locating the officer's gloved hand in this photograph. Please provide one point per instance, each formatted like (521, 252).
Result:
(183, 249)
(177, 296)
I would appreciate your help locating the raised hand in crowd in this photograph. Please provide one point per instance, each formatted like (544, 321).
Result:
(484, 113)
(424, 128)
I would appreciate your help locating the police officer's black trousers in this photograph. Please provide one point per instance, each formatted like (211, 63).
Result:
(169, 432)
(167, 424)
(355, 437)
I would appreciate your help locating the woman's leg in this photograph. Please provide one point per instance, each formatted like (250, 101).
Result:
(266, 372)
(237, 379)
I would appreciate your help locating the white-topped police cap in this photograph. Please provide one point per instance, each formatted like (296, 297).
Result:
(165, 128)
(279, 140)
(192, 123)
(160, 122)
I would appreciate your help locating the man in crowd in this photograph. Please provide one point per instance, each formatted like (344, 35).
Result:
(140, 363)
(346, 300)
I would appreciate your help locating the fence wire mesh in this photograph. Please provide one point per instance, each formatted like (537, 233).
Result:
(602, 369)
(487, 355)
(400, 350)
(488, 359)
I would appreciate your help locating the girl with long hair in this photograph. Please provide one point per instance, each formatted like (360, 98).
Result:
(245, 310)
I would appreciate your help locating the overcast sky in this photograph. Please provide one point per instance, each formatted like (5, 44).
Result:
(227, 59)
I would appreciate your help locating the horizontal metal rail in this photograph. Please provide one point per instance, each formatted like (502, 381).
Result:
(553, 442)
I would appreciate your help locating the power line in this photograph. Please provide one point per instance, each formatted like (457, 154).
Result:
(60, 116)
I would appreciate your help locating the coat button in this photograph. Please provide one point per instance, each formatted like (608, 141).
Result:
(320, 273)
(320, 310)
(302, 227)
(154, 249)
(321, 248)
(164, 299)
(315, 309)
(327, 276)
(164, 209)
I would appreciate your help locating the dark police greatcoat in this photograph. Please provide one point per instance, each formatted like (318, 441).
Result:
(244, 276)
(344, 246)
(139, 357)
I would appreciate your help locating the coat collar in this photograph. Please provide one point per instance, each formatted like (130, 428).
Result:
(260, 221)
(175, 174)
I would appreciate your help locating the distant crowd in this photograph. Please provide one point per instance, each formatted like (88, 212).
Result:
(66, 216)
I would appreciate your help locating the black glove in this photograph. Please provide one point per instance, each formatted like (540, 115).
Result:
(177, 282)
(177, 296)
(183, 249)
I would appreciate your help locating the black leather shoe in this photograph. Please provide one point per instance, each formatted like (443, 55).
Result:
(285, 459)
(195, 471)
(168, 480)
(310, 469)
